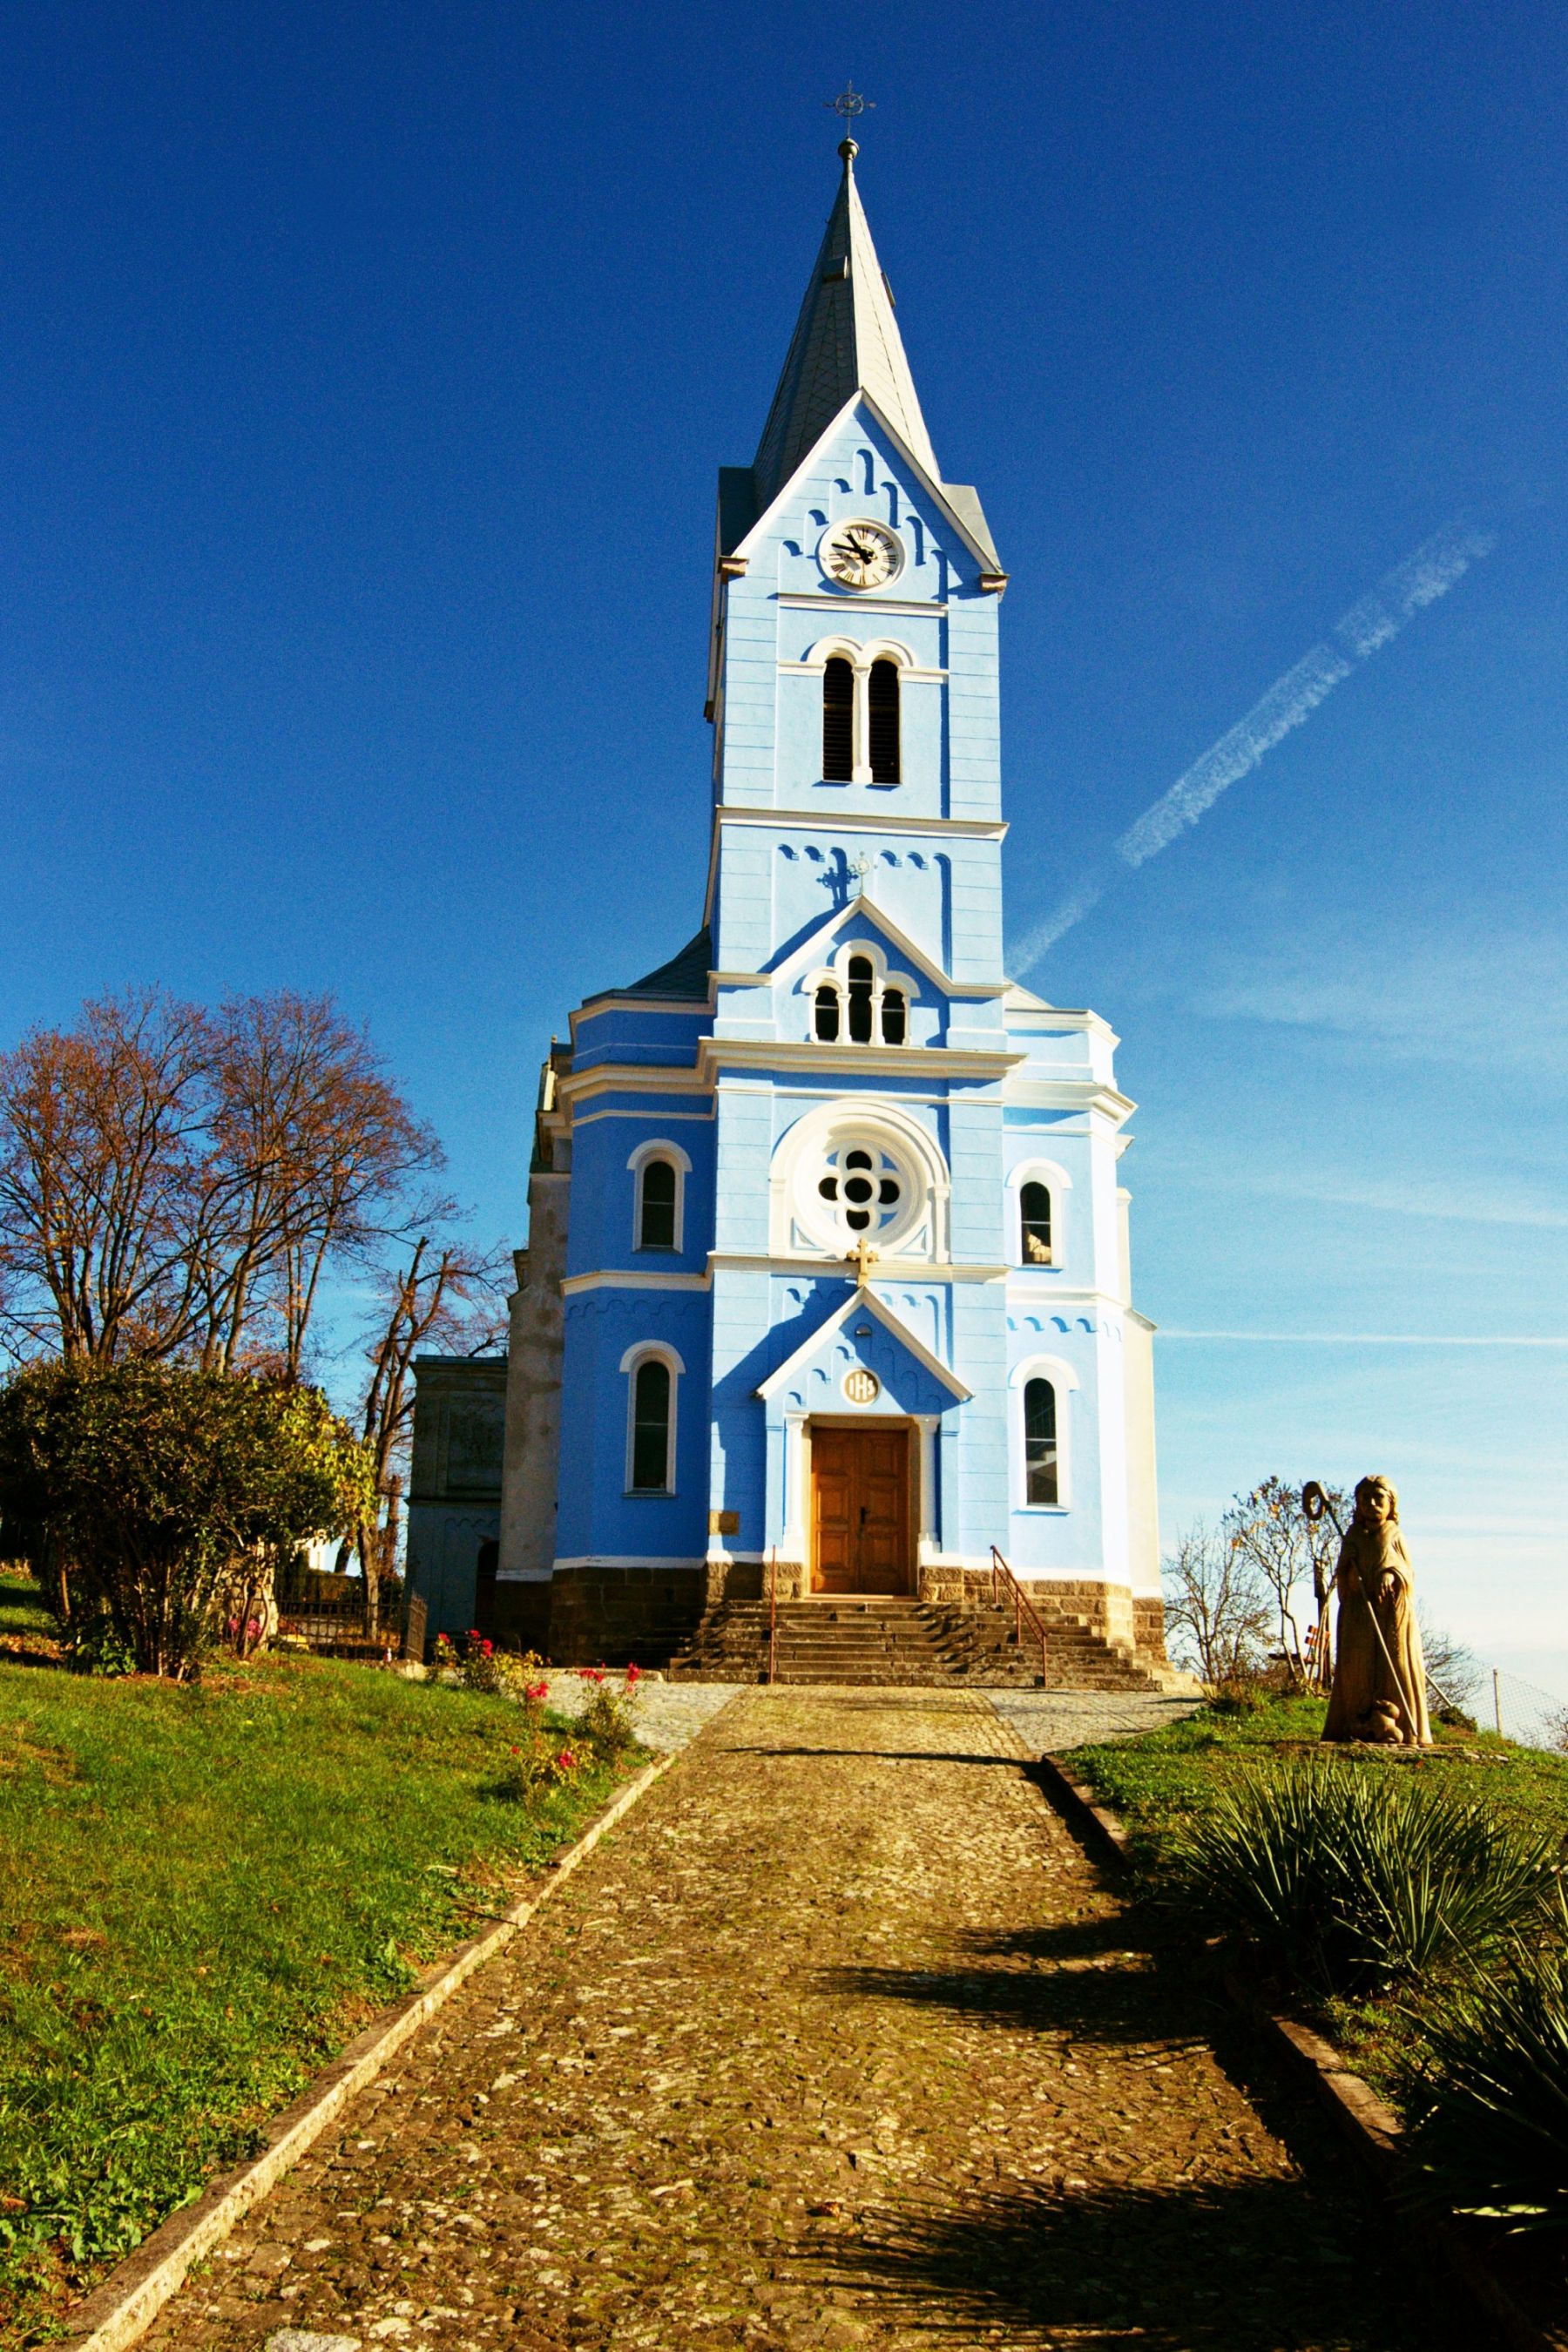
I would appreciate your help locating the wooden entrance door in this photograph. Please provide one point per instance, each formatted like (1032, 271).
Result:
(860, 1499)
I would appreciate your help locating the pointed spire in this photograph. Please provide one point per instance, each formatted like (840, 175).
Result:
(846, 340)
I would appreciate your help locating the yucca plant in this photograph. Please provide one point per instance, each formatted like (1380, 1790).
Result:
(1353, 1879)
(1489, 2119)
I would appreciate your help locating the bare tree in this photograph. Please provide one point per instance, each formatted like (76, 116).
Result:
(174, 1182)
(1454, 1672)
(443, 1293)
(1270, 1529)
(1217, 1610)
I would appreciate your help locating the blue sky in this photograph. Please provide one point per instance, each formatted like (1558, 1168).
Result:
(363, 375)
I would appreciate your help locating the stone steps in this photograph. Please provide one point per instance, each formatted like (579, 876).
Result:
(911, 1644)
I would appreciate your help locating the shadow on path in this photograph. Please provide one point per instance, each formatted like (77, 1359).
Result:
(1254, 2266)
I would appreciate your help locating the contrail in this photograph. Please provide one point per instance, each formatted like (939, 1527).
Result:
(1369, 624)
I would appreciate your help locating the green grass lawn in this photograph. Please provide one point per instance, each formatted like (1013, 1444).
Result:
(1157, 1780)
(1153, 1780)
(205, 1891)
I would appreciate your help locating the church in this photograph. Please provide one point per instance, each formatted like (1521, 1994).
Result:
(826, 1291)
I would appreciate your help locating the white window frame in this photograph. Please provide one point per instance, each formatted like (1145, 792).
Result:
(658, 1147)
(1058, 1184)
(645, 1351)
(1065, 1381)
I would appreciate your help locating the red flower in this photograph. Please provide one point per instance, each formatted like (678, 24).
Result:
(566, 1762)
(634, 1674)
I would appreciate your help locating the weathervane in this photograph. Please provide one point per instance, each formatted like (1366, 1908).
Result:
(849, 104)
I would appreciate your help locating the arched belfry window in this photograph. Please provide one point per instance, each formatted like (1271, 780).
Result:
(1042, 1482)
(656, 1224)
(862, 714)
(1035, 1224)
(837, 721)
(882, 721)
(857, 1001)
(862, 983)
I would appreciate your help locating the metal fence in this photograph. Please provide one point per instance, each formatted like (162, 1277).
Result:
(329, 1613)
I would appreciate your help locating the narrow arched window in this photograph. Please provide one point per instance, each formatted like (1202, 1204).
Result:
(1041, 1480)
(827, 1014)
(1035, 1224)
(651, 1397)
(861, 982)
(882, 716)
(837, 721)
(655, 1225)
(895, 1018)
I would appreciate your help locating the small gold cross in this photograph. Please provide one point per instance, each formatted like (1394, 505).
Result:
(864, 1258)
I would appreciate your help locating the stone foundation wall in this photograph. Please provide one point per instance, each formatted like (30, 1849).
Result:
(1148, 1628)
(623, 1616)
(521, 1619)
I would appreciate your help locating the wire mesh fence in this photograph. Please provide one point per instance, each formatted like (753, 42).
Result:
(1519, 1710)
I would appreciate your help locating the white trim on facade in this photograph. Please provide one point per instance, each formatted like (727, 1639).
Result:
(891, 1322)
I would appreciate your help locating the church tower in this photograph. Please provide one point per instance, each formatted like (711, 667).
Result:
(827, 1267)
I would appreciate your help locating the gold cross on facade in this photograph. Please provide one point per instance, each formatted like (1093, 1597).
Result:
(863, 1257)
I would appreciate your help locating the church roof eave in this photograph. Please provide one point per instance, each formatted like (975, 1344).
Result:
(863, 1296)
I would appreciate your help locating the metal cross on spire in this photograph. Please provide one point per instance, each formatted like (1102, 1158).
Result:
(849, 104)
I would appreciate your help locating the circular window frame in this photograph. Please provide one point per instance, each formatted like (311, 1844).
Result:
(828, 1221)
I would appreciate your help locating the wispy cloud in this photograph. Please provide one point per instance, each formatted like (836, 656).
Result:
(1375, 1338)
(1372, 623)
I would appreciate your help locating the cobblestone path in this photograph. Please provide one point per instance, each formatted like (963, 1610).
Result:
(837, 2043)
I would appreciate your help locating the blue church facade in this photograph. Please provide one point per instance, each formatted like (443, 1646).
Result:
(828, 1274)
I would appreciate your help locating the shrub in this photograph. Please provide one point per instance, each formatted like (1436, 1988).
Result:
(1490, 2122)
(154, 1483)
(1352, 1879)
(607, 1724)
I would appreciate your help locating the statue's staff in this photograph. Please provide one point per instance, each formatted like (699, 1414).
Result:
(1314, 1504)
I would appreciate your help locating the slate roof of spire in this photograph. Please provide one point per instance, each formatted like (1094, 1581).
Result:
(846, 340)
(685, 975)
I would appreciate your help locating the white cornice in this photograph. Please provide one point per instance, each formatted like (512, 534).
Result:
(819, 601)
(889, 1269)
(836, 821)
(1070, 1094)
(715, 1054)
(631, 1078)
(633, 1278)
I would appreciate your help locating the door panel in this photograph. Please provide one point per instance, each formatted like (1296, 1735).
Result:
(861, 1494)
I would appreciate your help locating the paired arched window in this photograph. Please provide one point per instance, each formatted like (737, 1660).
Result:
(862, 1005)
(656, 1205)
(1035, 1224)
(652, 1373)
(1042, 1460)
(860, 721)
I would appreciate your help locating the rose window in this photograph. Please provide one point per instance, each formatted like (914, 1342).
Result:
(864, 1189)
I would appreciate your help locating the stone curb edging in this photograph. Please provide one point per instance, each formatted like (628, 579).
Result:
(1367, 2122)
(128, 2301)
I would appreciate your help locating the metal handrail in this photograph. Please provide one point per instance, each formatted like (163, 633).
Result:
(1022, 1607)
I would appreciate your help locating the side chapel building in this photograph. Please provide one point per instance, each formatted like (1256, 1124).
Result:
(827, 1262)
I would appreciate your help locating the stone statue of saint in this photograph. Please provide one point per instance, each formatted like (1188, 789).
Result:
(1380, 1676)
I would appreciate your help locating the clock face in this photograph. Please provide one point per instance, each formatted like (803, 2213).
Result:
(861, 555)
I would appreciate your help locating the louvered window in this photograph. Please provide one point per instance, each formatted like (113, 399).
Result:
(883, 718)
(837, 721)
